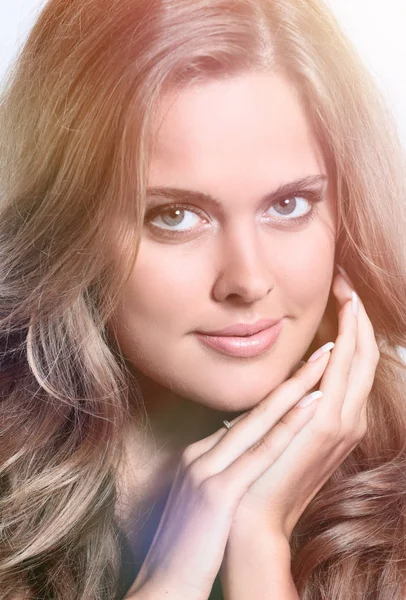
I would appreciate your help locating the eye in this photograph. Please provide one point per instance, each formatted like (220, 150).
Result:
(182, 219)
(175, 218)
(294, 208)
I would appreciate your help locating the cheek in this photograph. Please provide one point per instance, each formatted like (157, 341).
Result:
(306, 269)
(163, 288)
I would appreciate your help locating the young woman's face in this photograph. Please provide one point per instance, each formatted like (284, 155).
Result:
(249, 253)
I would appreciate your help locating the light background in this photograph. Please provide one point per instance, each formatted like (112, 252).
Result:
(376, 28)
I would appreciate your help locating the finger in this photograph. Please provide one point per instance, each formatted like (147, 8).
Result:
(366, 357)
(197, 449)
(248, 467)
(362, 374)
(335, 379)
(366, 346)
(248, 430)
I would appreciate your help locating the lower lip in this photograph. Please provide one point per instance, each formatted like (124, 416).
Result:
(243, 347)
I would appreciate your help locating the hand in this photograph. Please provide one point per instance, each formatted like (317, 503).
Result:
(213, 476)
(279, 497)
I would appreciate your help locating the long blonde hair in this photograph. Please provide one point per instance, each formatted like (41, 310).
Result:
(75, 124)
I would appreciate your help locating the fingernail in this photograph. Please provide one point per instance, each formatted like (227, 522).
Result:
(326, 348)
(355, 303)
(309, 399)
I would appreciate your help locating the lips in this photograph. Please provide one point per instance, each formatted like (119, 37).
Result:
(243, 329)
(244, 346)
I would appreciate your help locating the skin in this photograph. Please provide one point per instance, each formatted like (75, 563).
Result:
(237, 140)
(238, 494)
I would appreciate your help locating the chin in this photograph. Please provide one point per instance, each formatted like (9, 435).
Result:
(232, 398)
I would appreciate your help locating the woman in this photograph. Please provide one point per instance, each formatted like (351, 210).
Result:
(171, 169)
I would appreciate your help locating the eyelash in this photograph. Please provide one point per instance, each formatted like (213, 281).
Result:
(311, 197)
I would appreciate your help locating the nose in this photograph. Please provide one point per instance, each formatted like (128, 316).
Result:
(244, 267)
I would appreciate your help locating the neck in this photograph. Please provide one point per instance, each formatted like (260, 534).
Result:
(162, 425)
(173, 421)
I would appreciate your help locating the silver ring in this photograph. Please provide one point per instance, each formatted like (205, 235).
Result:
(227, 424)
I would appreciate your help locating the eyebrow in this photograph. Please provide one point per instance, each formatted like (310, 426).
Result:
(182, 195)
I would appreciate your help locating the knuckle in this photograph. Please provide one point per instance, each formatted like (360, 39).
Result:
(326, 430)
(259, 408)
(212, 489)
(362, 429)
(188, 456)
(196, 475)
(349, 433)
(361, 433)
(262, 445)
(354, 433)
(341, 336)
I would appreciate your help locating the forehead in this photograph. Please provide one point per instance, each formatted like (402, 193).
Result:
(251, 126)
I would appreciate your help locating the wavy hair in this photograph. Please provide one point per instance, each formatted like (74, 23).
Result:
(76, 115)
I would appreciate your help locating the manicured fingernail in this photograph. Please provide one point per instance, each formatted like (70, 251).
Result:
(309, 399)
(326, 348)
(355, 303)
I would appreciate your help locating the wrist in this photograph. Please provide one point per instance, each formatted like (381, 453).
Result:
(254, 532)
(274, 545)
(258, 565)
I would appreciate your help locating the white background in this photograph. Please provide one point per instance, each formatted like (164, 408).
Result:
(376, 28)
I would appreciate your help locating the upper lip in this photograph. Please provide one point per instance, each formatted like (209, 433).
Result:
(243, 329)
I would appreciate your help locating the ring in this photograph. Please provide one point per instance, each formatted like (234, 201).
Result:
(227, 424)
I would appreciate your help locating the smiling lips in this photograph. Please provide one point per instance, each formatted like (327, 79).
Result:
(243, 340)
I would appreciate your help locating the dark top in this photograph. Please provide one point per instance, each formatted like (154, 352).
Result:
(130, 569)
